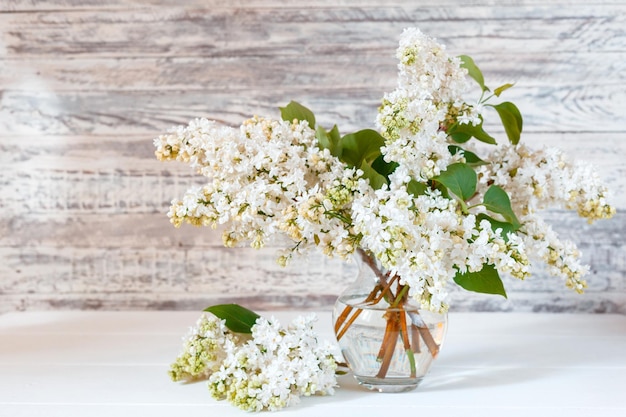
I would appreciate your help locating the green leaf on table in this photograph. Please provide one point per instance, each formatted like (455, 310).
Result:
(470, 157)
(238, 319)
(511, 120)
(460, 179)
(506, 227)
(486, 281)
(497, 201)
(329, 139)
(473, 71)
(360, 146)
(462, 132)
(502, 89)
(297, 111)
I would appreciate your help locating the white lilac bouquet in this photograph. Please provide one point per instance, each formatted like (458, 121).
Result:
(429, 197)
(413, 195)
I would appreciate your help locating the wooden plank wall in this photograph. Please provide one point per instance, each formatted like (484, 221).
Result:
(85, 85)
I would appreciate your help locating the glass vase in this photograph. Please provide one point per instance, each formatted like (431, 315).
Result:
(388, 342)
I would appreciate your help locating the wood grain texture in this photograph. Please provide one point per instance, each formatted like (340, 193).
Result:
(86, 86)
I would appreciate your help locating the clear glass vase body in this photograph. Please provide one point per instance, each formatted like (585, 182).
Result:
(388, 342)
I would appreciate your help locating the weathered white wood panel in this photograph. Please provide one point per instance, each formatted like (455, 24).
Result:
(84, 87)
(546, 109)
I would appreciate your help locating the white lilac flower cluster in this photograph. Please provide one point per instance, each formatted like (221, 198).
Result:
(539, 179)
(270, 177)
(425, 242)
(204, 349)
(268, 370)
(267, 177)
(429, 91)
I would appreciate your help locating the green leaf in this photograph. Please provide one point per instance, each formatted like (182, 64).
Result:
(323, 138)
(335, 139)
(383, 167)
(416, 188)
(362, 150)
(459, 136)
(360, 146)
(329, 140)
(511, 120)
(486, 281)
(442, 188)
(502, 89)
(497, 201)
(411, 356)
(473, 71)
(460, 179)
(462, 132)
(470, 157)
(497, 224)
(376, 180)
(238, 319)
(297, 111)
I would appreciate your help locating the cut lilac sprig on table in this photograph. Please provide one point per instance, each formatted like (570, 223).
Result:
(267, 367)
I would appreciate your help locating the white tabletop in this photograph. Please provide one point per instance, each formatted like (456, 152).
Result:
(492, 364)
